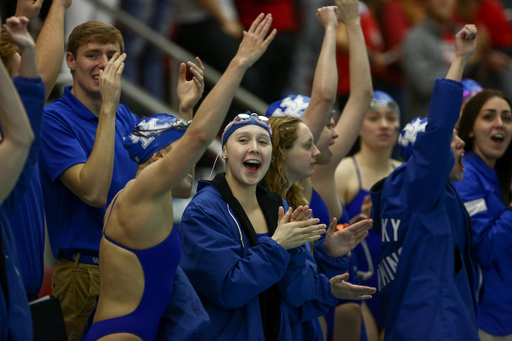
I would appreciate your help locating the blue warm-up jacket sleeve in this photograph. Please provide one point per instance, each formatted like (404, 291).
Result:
(432, 159)
(492, 235)
(32, 94)
(219, 267)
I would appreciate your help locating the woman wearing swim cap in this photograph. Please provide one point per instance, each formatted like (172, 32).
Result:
(355, 176)
(486, 128)
(140, 250)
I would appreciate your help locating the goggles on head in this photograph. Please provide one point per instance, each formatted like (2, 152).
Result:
(246, 119)
(390, 105)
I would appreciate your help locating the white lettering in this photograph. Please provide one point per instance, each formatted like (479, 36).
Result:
(396, 225)
(385, 237)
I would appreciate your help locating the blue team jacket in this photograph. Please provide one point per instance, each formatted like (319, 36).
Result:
(15, 317)
(425, 272)
(492, 236)
(228, 274)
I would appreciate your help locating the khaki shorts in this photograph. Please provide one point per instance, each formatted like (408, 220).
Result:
(77, 286)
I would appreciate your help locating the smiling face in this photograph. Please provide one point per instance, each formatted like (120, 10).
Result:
(380, 129)
(324, 142)
(247, 153)
(457, 145)
(300, 159)
(492, 130)
(90, 59)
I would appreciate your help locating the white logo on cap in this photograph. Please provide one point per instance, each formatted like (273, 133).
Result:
(293, 107)
(153, 127)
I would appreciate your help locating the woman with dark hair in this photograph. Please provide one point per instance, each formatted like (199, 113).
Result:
(486, 128)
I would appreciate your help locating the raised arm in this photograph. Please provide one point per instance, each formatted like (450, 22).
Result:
(16, 27)
(17, 135)
(361, 88)
(323, 94)
(432, 158)
(208, 118)
(351, 120)
(91, 180)
(50, 44)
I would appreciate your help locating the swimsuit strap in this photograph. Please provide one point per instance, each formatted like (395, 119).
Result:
(358, 173)
(111, 208)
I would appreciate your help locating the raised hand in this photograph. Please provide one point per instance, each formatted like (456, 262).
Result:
(254, 44)
(328, 16)
(16, 27)
(348, 10)
(190, 92)
(110, 80)
(347, 291)
(341, 242)
(293, 234)
(465, 41)
(28, 8)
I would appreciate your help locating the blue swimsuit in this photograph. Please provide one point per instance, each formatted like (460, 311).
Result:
(159, 265)
(373, 240)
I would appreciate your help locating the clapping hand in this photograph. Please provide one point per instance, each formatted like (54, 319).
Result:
(339, 243)
(342, 289)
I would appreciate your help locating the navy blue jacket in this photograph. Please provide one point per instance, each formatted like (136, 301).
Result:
(426, 278)
(492, 237)
(15, 317)
(228, 274)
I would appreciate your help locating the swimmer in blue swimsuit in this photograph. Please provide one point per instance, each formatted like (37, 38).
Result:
(354, 177)
(139, 251)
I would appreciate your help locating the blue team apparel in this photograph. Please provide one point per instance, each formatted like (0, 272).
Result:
(69, 131)
(229, 274)
(14, 311)
(492, 236)
(28, 231)
(426, 277)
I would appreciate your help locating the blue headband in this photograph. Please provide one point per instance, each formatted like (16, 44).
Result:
(408, 136)
(291, 105)
(243, 120)
(153, 133)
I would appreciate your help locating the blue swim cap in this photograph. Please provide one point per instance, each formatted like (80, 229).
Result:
(291, 105)
(380, 98)
(408, 136)
(153, 133)
(470, 88)
(242, 120)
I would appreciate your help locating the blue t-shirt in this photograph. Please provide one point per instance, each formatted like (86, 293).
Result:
(69, 130)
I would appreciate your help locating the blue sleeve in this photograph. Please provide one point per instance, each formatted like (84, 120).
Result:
(328, 265)
(302, 286)
(491, 234)
(60, 148)
(432, 159)
(211, 259)
(32, 94)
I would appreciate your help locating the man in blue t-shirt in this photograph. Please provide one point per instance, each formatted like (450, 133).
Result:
(83, 164)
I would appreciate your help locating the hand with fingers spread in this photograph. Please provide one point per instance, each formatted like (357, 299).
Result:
(293, 234)
(16, 27)
(254, 44)
(328, 16)
(465, 42)
(110, 81)
(339, 243)
(190, 92)
(342, 289)
(348, 10)
(28, 8)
